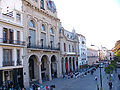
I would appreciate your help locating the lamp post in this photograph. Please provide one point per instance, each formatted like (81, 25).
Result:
(100, 66)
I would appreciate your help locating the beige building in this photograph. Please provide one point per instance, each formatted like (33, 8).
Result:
(42, 55)
(68, 51)
(92, 56)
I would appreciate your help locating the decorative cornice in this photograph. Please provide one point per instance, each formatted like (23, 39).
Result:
(40, 10)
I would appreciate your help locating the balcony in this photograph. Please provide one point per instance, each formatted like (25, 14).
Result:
(8, 63)
(70, 53)
(43, 47)
(14, 42)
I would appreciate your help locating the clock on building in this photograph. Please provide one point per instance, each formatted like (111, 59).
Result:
(51, 6)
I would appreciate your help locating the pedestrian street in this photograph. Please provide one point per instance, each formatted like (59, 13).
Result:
(85, 83)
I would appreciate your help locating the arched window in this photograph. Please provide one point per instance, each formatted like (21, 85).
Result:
(51, 31)
(32, 24)
(42, 27)
(42, 4)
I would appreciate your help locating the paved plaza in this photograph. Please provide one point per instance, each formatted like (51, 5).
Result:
(84, 83)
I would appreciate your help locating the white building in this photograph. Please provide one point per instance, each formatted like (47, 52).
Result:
(110, 55)
(82, 58)
(11, 45)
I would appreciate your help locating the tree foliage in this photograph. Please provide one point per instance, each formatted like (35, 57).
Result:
(110, 67)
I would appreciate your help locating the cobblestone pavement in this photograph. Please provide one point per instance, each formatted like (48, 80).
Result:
(84, 83)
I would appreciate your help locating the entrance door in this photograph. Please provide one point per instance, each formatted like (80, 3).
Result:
(31, 69)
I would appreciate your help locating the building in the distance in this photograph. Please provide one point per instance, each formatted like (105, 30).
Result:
(103, 53)
(110, 55)
(82, 57)
(68, 51)
(92, 56)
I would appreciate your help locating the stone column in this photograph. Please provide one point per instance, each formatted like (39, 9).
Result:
(26, 72)
(72, 64)
(40, 77)
(1, 58)
(49, 65)
(75, 64)
(64, 70)
(68, 65)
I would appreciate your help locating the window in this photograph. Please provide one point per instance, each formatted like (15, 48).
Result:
(32, 39)
(83, 42)
(72, 48)
(52, 41)
(18, 16)
(69, 49)
(51, 31)
(7, 35)
(32, 24)
(10, 36)
(18, 57)
(64, 47)
(42, 27)
(7, 57)
(42, 4)
(43, 39)
(18, 37)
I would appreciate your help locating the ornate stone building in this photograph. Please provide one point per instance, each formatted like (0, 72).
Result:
(42, 55)
(68, 51)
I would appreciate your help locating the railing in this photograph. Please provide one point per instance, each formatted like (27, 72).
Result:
(43, 47)
(8, 63)
(19, 62)
(9, 41)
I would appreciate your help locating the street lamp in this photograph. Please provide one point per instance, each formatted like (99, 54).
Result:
(100, 66)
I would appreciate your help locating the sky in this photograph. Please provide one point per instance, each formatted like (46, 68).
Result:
(97, 20)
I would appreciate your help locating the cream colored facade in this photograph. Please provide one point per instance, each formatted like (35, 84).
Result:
(41, 58)
(68, 51)
(92, 56)
(11, 46)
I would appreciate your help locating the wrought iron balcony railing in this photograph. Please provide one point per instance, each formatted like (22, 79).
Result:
(9, 41)
(43, 47)
(8, 63)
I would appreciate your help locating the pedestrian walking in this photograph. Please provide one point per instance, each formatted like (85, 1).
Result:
(112, 77)
(95, 77)
(110, 85)
(119, 76)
